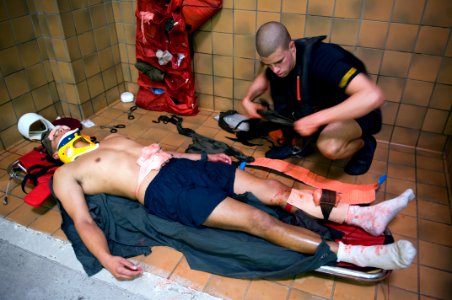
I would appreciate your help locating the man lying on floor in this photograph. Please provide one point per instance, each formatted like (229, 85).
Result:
(197, 190)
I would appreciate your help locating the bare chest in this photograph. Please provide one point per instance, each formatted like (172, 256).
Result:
(115, 174)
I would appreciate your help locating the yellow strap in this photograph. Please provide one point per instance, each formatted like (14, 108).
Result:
(350, 193)
(346, 77)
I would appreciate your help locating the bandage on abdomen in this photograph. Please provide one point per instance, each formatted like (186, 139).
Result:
(152, 158)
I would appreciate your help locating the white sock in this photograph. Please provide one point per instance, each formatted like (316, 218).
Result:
(375, 218)
(398, 255)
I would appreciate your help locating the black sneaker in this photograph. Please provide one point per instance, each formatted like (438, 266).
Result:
(282, 152)
(288, 151)
(361, 160)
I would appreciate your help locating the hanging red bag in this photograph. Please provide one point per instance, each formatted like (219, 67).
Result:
(197, 12)
(163, 58)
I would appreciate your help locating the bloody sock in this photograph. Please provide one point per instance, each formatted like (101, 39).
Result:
(398, 255)
(375, 218)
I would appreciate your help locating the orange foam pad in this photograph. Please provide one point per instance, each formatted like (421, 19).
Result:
(350, 193)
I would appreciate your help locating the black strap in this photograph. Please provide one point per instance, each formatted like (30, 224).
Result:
(258, 128)
(327, 202)
(306, 107)
(275, 117)
(33, 173)
(203, 143)
(204, 156)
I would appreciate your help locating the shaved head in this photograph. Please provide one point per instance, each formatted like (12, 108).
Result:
(271, 36)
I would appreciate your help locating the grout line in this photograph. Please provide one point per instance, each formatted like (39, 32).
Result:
(418, 236)
(448, 184)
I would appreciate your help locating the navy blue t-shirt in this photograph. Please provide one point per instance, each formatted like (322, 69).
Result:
(331, 68)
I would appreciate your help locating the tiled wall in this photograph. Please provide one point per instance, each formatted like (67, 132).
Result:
(60, 57)
(26, 81)
(406, 45)
(73, 57)
(124, 11)
(86, 60)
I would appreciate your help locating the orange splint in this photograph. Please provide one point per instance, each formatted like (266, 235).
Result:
(349, 193)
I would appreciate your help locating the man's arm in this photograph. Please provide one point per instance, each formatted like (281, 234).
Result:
(71, 195)
(365, 96)
(257, 88)
(217, 157)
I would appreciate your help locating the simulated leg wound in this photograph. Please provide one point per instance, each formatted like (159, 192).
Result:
(320, 204)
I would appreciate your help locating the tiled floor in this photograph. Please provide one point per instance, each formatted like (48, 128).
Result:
(426, 222)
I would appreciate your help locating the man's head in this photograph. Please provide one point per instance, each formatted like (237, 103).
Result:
(51, 138)
(67, 144)
(276, 48)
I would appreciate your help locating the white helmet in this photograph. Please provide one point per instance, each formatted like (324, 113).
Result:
(32, 126)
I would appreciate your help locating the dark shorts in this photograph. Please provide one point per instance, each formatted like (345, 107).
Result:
(188, 191)
(371, 123)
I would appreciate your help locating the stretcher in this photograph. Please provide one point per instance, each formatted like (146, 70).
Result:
(24, 170)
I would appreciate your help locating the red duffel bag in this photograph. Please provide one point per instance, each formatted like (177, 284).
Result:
(197, 12)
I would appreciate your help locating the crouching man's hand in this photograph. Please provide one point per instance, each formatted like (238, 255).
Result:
(219, 157)
(122, 269)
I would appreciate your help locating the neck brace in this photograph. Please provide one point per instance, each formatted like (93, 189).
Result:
(67, 152)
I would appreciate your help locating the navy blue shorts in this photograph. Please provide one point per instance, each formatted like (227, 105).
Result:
(371, 123)
(188, 191)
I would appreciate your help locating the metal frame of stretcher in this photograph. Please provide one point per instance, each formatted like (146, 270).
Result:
(370, 275)
(373, 275)
(15, 171)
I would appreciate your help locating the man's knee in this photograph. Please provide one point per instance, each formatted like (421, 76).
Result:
(260, 222)
(280, 192)
(330, 148)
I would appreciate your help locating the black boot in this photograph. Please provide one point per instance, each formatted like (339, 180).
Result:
(361, 160)
(306, 148)
(282, 152)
